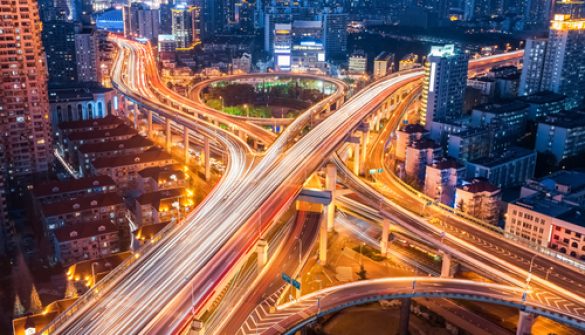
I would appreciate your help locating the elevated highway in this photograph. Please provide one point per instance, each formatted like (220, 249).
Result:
(290, 317)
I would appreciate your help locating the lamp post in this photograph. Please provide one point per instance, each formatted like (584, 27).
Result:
(93, 271)
(221, 99)
(548, 271)
(529, 277)
(247, 110)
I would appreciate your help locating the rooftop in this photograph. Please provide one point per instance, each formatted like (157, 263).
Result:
(155, 198)
(574, 118)
(149, 231)
(557, 209)
(413, 128)
(510, 154)
(71, 185)
(158, 172)
(120, 130)
(58, 94)
(542, 98)
(425, 144)
(85, 230)
(131, 143)
(446, 163)
(502, 108)
(106, 122)
(152, 155)
(478, 185)
(82, 203)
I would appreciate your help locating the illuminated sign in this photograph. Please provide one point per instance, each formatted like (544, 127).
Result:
(283, 60)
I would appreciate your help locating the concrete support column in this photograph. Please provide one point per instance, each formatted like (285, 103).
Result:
(262, 253)
(186, 143)
(149, 123)
(446, 265)
(323, 240)
(356, 158)
(330, 185)
(197, 328)
(404, 316)
(525, 322)
(168, 134)
(364, 150)
(384, 237)
(136, 113)
(207, 157)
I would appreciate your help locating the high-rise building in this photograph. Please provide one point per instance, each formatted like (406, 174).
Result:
(532, 72)
(536, 14)
(335, 33)
(59, 39)
(184, 25)
(245, 16)
(86, 55)
(444, 84)
(564, 68)
(213, 17)
(24, 106)
(141, 20)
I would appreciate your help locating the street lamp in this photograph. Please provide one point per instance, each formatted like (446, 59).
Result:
(93, 271)
(529, 277)
(247, 110)
(221, 99)
(548, 271)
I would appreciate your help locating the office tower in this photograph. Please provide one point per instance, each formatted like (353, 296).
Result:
(141, 20)
(183, 25)
(575, 8)
(444, 84)
(536, 14)
(564, 68)
(532, 71)
(282, 46)
(86, 54)
(24, 105)
(335, 33)
(245, 16)
(59, 39)
(213, 19)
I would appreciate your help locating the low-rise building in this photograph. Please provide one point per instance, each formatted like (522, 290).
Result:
(124, 169)
(512, 116)
(88, 102)
(480, 199)
(410, 61)
(242, 64)
(543, 104)
(75, 140)
(510, 168)
(470, 144)
(89, 152)
(60, 190)
(383, 64)
(405, 136)
(89, 240)
(549, 223)
(91, 208)
(441, 179)
(564, 185)
(358, 63)
(418, 155)
(160, 178)
(162, 206)
(562, 135)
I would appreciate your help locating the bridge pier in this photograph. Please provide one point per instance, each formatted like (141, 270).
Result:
(363, 151)
(207, 157)
(384, 237)
(262, 253)
(197, 327)
(404, 316)
(330, 185)
(525, 322)
(149, 124)
(168, 135)
(323, 237)
(136, 112)
(186, 143)
(356, 159)
(446, 265)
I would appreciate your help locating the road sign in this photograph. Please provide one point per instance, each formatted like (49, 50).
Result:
(375, 171)
(291, 281)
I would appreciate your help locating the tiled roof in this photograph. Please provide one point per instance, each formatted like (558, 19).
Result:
(71, 185)
(85, 230)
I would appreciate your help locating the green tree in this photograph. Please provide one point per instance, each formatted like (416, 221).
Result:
(362, 273)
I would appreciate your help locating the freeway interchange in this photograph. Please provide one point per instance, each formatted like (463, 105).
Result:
(164, 285)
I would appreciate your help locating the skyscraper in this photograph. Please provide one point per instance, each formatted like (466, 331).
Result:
(59, 38)
(87, 55)
(335, 33)
(532, 71)
(564, 68)
(184, 25)
(141, 20)
(444, 84)
(24, 105)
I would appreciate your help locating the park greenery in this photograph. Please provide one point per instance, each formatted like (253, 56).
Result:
(266, 99)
